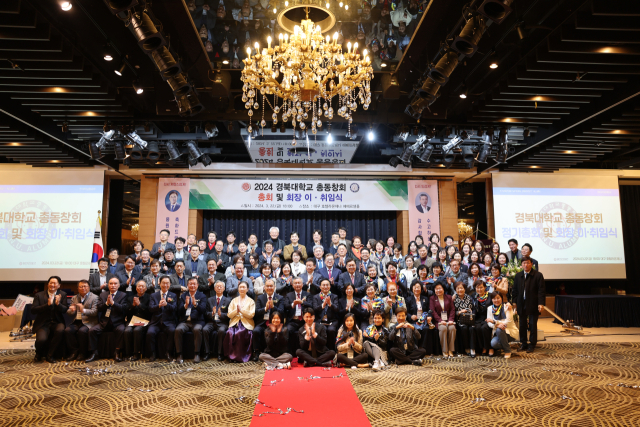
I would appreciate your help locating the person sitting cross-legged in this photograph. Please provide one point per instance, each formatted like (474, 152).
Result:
(349, 344)
(313, 339)
(275, 355)
(404, 339)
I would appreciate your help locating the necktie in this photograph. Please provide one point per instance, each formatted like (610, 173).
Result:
(329, 273)
(298, 296)
(218, 303)
(352, 280)
(269, 300)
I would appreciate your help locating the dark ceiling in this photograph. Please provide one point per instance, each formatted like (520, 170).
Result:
(565, 86)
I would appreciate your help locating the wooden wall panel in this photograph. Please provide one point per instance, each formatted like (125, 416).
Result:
(148, 210)
(195, 222)
(402, 230)
(448, 195)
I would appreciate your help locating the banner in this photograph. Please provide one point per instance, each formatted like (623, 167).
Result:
(298, 195)
(173, 207)
(424, 212)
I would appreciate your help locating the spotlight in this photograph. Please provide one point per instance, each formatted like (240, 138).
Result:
(496, 10)
(179, 85)
(66, 6)
(147, 127)
(443, 69)
(409, 151)
(118, 148)
(329, 139)
(493, 65)
(370, 135)
(426, 153)
(154, 151)
(205, 160)
(194, 150)
(454, 143)
(467, 154)
(503, 148)
(65, 127)
(107, 53)
(187, 129)
(484, 150)
(136, 152)
(137, 87)
(467, 42)
(149, 38)
(107, 136)
(402, 133)
(448, 158)
(165, 62)
(173, 151)
(134, 138)
(94, 151)
(120, 69)
(394, 161)
(525, 133)
(192, 161)
(211, 130)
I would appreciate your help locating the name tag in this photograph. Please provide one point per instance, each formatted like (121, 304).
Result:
(443, 316)
(217, 317)
(266, 315)
(129, 289)
(108, 313)
(188, 312)
(298, 310)
(79, 315)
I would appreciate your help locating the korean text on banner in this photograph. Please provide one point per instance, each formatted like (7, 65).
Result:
(173, 207)
(424, 211)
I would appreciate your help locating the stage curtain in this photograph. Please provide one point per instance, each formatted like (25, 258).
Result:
(629, 203)
(368, 225)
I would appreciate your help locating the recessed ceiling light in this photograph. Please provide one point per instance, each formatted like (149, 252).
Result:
(66, 6)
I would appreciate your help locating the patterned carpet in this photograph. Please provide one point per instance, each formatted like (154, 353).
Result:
(527, 390)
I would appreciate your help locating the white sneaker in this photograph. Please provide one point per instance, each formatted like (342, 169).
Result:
(280, 366)
(376, 366)
(287, 365)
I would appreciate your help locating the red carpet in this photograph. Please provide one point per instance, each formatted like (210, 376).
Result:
(330, 401)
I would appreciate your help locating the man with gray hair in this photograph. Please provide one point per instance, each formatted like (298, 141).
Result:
(278, 244)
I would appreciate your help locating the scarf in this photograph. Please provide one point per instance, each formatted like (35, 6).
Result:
(482, 299)
(376, 303)
(322, 297)
(264, 279)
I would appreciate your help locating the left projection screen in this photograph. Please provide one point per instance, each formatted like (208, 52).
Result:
(47, 223)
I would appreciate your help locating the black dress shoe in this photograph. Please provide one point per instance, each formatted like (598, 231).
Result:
(51, 359)
(417, 362)
(135, 357)
(326, 365)
(205, 357)
(530, 349)
(523, 347)
(196, 358)
(255, 357)
(220, 358)
(37, 359)
(81, 357)
(179, 359)
(152, 358)
(169, 358)
(116, 357)
(72, 356)
(94, 356)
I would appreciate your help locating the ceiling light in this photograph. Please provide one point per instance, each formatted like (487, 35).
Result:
(211, 130)
(172, 149)
(225, 61)
(383, 64)
(426, 153)
(463, 94)
(107, 53)
(467, 41)
(149, 38)
(137, 87)
(120, 70)
(370, 135)
(329, 139)
(135, 139)
(66, 6)
(569, 152)
(493, 65)
(165, 62)
(118, 148)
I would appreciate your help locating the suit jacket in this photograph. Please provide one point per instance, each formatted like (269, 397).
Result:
(510, 255)
(342, 268)
(175, 283)
(175, 208)
(201, 269)
(212, 303)
(288, 251)
(359, 282)
(94, 282)
(436, 308)
(419, 208)
(165, 315)
(261, 302)
(198, 311)
(362, 268)
(119, 309)
(411, 335)
(141, 310)
(449, 289)
(232, 252)
(335, 275)
(291, 297)
(361, 314)
(332, 313)
(119, 266)
(315, 282)
(152, 282)
(320, 341)
(45, 312)
(231, 286)
(136, 274)
(534, 288)
(412, 307)
(223, 256)
(156, 247)
(319, 263)
(90, 314)
(428, 262)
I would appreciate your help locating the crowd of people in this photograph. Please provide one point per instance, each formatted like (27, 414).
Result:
(350, 303)
(228, 27)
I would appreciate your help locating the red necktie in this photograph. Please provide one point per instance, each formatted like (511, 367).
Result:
(353, 280)
(329, 273)
(218, 303)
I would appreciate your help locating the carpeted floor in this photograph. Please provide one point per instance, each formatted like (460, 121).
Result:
(527, 390)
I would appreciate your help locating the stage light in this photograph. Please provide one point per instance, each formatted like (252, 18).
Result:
(211, 130)
(394, 161)
(120, 69)
(165, 62)
(484, 150)
(402, 133)
(107, 136)
(409, 151)
(137, 87)
(187, 128)
(65, 127)
(118, 148)
(443, 69)
(147, 127)
(426, 153)
(194, 150)
(192, 161)
(205, 160)
(134, 138)
(149, 38)
(467, 154)
(173, 151)
(179, 85)
(136, 152)
(467, 42)
(496, 10)
(107, 53)
(370, 136)
(66, 6)
(454, 143)
(94, 151)
(448, 158)
(503, 148)
(154, 151)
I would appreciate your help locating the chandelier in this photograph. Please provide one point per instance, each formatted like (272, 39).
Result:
(464, 230)
(134, 230)
(304, 72)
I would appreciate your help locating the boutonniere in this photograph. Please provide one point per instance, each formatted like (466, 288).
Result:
(275, 301)
(304, 299)
(223, 307)
(169, 299)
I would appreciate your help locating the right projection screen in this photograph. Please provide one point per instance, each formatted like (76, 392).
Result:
(572, 222)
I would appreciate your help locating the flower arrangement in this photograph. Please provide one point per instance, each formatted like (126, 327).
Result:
(510, 270)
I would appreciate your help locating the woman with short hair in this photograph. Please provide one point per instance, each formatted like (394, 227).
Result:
(500, 319)
(375, 341)
(444, 314)
(464, 305)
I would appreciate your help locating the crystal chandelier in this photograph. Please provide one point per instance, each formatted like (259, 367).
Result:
(134, 230)
(304, 72)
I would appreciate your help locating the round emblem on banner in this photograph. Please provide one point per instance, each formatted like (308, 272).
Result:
(246, 186)
(354, 187)
(23, 228)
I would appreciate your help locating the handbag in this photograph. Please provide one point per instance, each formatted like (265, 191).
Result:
(467, 319)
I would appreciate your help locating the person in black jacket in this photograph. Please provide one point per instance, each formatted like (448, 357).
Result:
(350, 304)
(404, 338)
(163, 307)
(221, 258)
(266, 303)
(326, 308)
(482, 331)
(275, 355)
(99, 280)
(354, 277)
(49, 307)
(529, 293)
(113, 308)
(192, 309)
(139, 307)
(375, 341)
(217, 323)
(313, 339)
(295, 304)
(129, 276)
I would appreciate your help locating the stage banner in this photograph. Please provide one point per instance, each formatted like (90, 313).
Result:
(424, 212)
(173, 207)
(298, 195)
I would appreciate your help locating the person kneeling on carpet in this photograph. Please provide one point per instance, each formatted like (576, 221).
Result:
(313, 339)
(375, 341)
(404, 338)
(275, 356)
(500, 318)
(349, 344)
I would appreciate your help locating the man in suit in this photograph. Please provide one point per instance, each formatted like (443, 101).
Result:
(453, 276)
(99, 280)
(234, 281)
(354, 277)
(331, 273)
(424, 258)
(342, 234)
(129, 275)
(153, 278)
(326, 308)
(192, 311)
(49, 307)
(206, 282)
(113, 308)
(365, 261)
(173, 205)
(296, 302)
(513, 252)
(404, 339)
(294, 246)
(222, 259)
(114, 265)
(313, 339)
(318, 255)
(341, 257)
(278, 244)
(84, 309)
(196, 266)
(265, 304)
(217, 322)
(526, 251)
(179, 279)
(529, 293)
(311, 278)
(138, 304)
(163, 307)
(157, 251)
(423, 207)
(230, 248)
